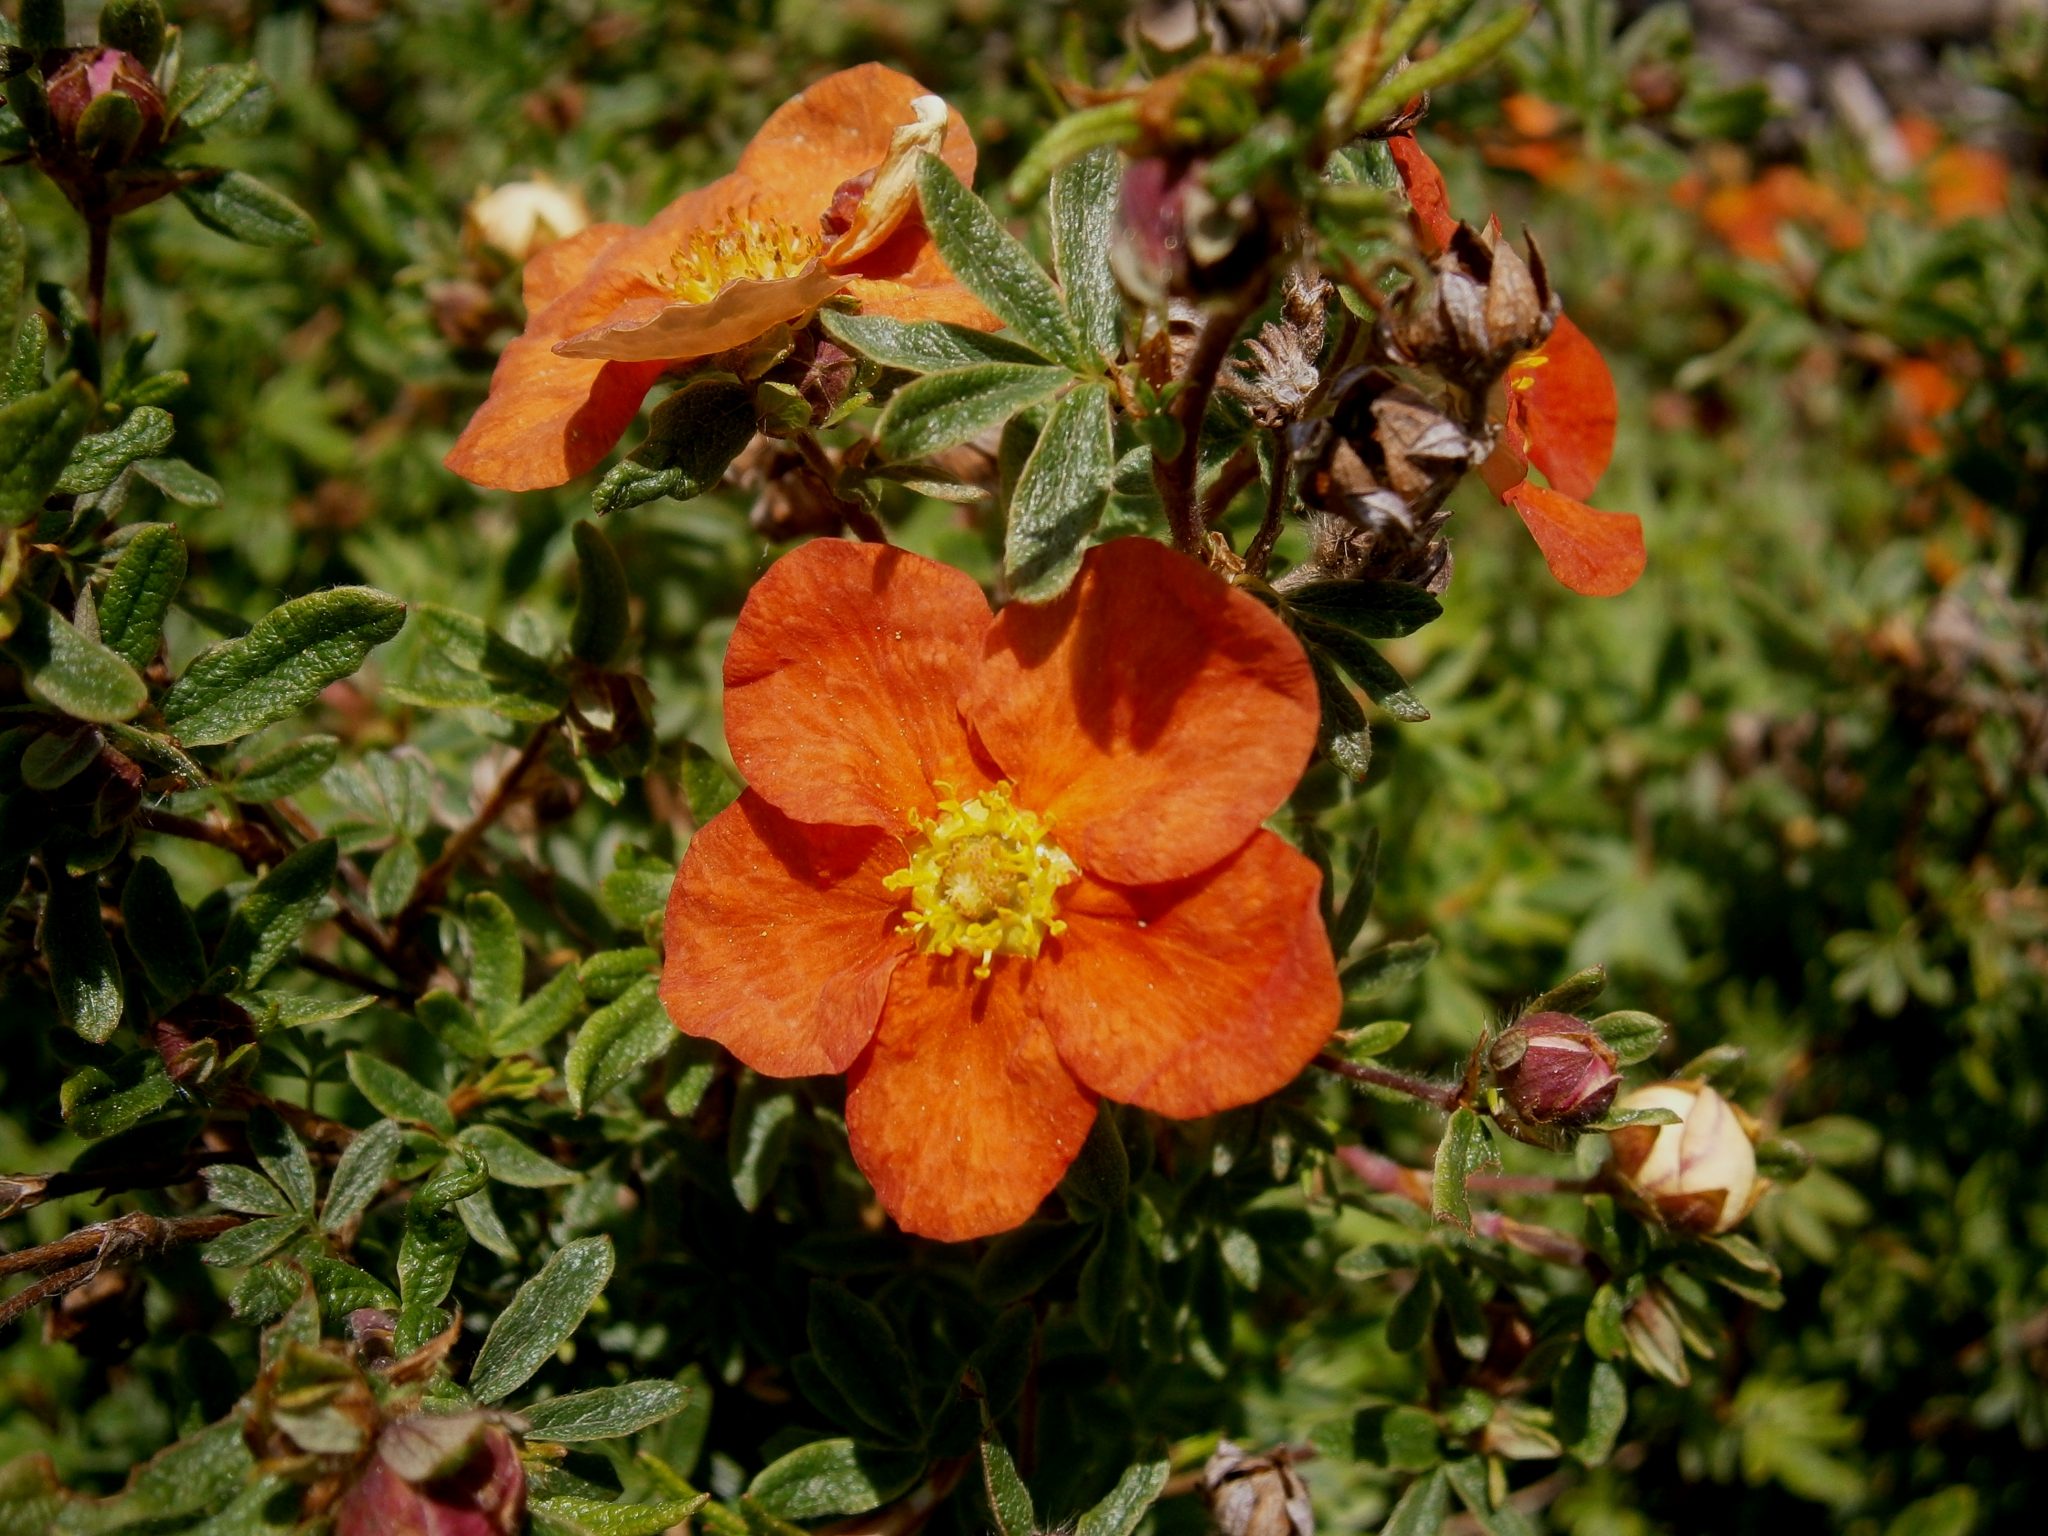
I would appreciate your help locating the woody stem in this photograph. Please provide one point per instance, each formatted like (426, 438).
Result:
(1176, 476)
(1443, 1096)
(1259, 553)
(97, 230)
(434, 883)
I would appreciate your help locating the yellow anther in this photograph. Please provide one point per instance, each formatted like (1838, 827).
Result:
(757, 250)
(985, 879)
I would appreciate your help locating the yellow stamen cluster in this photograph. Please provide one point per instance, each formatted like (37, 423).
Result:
(985, 880)
(750, 250)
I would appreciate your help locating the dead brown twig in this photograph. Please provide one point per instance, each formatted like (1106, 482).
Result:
(72, 1260)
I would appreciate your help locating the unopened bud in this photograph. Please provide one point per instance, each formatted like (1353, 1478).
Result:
(1552, 1069)
(1256, 1495)
(104, 104)
(523, 217)
(1698, 1175)
(438, 1475)
(134, 26)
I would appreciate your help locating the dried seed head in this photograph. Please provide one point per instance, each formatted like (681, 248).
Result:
(1486, 308)
(1256, 1495)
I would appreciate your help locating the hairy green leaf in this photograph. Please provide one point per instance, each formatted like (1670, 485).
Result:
(541, 1315)
(280, 665)
(995, 268)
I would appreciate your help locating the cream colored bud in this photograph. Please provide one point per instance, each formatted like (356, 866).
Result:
(523, 217)
(1699, 1174)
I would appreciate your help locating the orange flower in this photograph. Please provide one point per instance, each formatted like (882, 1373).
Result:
(992, 867)
(1560, 417)
(823, 203)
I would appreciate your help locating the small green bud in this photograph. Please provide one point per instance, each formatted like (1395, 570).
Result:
(134, 26)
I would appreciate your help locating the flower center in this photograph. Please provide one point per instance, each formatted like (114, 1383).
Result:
(985, 880)
(753, 250)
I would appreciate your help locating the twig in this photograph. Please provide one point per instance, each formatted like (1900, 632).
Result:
(1238, 471)
(349, 976)
(1443, 1096)
(856, 516)
(20, 1191)
(433, 885)
(1176, 476)
(1412, 1184)
(71, 1261)
(1259, 553)
(97, 229)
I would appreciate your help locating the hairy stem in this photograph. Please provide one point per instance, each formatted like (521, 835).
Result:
(1176, 476)
(1443, 1096)
(1259, 553)
(433, 884)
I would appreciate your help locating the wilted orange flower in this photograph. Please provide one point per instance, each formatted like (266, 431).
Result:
(1560, 417)
(823, 203)
(993, 866)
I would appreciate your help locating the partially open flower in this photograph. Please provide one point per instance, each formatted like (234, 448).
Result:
(104, 103)
(1553, 1069)
(522, 218)
(438, 1475)
(823, 205)
(1698, 1175)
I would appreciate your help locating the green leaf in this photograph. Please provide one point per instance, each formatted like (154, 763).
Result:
(763, 1118)
(139, 590)
(930, 346)
(995, 268)
(1463, 1150)
(13, 264)
(283, 1156)
(252, 1241)
(464, 664)
(1008, 1499)
(395, 1095)
(23, 372)
(1423, 1508)
(511, 1161)
(615, 1042)
(204, 96)
(858, 1352)
(341, 1288)
(1098, 1180)
(603, 1414)
(1633, 1037)
(364, 1166)
(1084, 211)
(1018, 1262)
(1060, 496)
(1387, 968)
(691, 438)
(70, 671)
(393, 877)
(37, 434)
(834, 1477)
(597, 1517)
(99, 459)
(160, 932)
(598, 632)
(280, 665)
(244, 1189)
(1107, 1279)
(95, 1106)
(1408, 1323)
(1591, 1404)
(1573, 993)
(497, 967)
(236, 204)
(84, 975)
(287, 770)
(542, 1016)
(1377, 610)
(938, 410)
(1342, 732)
(181, 483)
(1382, 683)
(267, 923)
(540, 1317)
(1135, 1492)
(429, 1253)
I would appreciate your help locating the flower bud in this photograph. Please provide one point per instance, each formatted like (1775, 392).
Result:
(1176, 239)
(1553, 1069)
(522, 217)
(104, 104)
(438, 1475)
(134, 26)
(1698, 1175)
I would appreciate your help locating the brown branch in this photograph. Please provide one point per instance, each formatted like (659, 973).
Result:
(98, 226)
(1259, 553)
(1238, 471)
(1443, 1096)
(433, 885)
(71, 1261)
(1176, 476)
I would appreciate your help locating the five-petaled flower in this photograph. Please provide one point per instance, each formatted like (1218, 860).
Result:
(991, 866)
(823, 204)
(1560, 417)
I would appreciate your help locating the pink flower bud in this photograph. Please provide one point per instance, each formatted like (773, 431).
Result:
(438, 1475)
(1554, 1069)
(87, 75)
(1698, 1175)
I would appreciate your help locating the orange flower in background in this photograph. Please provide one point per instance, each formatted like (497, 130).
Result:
(1560, 417)
(822, 204)
(991, 866)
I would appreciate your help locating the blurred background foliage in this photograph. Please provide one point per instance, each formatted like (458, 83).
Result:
(1790, 789)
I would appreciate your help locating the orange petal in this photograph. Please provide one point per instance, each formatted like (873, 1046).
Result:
(1596, 554)
(835, 130)
(946, 301)
(781, 939)
(842, 683)
(557, 267)
(1194, 997)
(1155, 712)
(1429, 201)
(961, 1113)
(891, 196)
(1562, 411)
(674, 330)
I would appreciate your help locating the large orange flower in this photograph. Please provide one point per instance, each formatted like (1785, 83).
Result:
(1561, 414)
(993, 866)
(823, 203)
